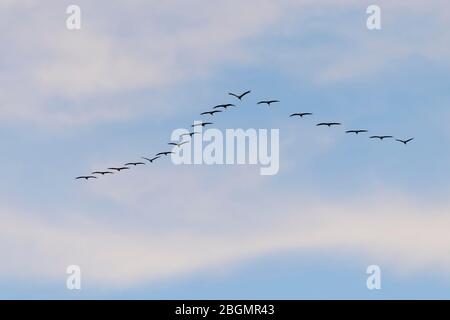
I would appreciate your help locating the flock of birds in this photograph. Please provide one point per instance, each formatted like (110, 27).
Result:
(218, 109)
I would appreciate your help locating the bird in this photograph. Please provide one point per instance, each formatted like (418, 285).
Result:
(405, 142)
(329, 124)
(164, 153)
(177, 144)
(268, 102)
(301, 115)
(86, 177)
(119, 169)
(201, 124)
(224, 106)
(356, 131)
(381, 137)
(210, 112)
(102, 172)
(239, 96)
(134, 163)
(189, 134)
(152, 159)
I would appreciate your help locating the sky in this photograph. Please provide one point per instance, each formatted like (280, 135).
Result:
(75, 101)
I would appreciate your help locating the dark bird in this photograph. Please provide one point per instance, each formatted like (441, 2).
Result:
(119, 169)
(405, 142)
(268, 102)
(329, 124)
(224, 106)
(210, 112)
(301, 115)
(152, 159)
(381, 137)
(202, 124)
(189, 134)
(241, 95)
(164, 153)
(86, 177)
(177, 144)
(102, 172)
(134, 163)
(356, 131)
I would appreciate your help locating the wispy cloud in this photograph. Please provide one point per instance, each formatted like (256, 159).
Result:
(156, 46)
(206, 231)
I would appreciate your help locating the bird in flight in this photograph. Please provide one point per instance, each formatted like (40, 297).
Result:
(119, 169)
(189, 134)
(329, 124)
(241, 95)
(86, 177)
(405, 142)
(224, 106)
(177, 144)
(201, 124)
(381, 137)
(134, 164)
(301, 115)
(102, 172)
(268, 102)
(210, 112)
(152, 159)
(356, 131)
(164, 153)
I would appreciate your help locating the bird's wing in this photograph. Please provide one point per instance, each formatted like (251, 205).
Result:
(245, 93)
(232, 94)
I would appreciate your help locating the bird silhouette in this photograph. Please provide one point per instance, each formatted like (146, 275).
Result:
(405, 142)
(164, 153)
(268, 102)
(189, 134)
(119, 169)
(381, 137)
(177, 144)
(329, 124)
(301, 115)
(201, 124)
(152, 159)
(86, 177)
(240, 96)
(356, 131)
(225, 106)
(102, 172)
(134, 163)
(210, 112)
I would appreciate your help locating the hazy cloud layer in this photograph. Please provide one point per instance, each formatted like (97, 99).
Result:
(54, 76)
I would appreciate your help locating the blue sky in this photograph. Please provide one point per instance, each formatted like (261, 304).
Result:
(76, 101)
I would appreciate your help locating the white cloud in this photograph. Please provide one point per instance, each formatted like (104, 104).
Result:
(198, 225)
(141, 45)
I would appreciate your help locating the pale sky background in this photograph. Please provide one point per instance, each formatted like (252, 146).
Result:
(75, 101)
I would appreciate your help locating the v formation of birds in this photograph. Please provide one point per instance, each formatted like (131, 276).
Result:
(218, 109)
